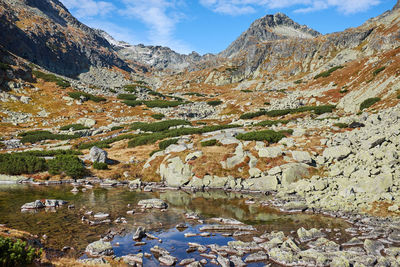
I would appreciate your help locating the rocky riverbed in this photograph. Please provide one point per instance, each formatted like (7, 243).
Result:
(103, 224)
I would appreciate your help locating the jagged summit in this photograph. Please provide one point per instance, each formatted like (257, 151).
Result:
(269, 28)
(397, 6)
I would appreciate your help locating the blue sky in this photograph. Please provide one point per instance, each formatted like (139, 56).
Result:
(209, 26)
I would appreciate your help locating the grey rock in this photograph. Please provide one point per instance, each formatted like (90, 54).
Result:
(99, 248)
(152, 203)
(292, 172)
(98, 155)
(337, 152)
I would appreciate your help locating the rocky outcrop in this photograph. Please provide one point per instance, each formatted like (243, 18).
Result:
(98, 155)
(99, 248)
(45, 33)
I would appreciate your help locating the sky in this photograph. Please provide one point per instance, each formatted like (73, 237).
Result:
(209, 26)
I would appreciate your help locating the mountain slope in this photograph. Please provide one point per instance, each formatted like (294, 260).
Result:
(45, 33)
(269, 28)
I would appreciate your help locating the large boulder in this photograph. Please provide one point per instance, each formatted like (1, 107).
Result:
(99, 248)
(302, 156)
(337, 152)
(175, 173)
(98, 154)
(264, 184)
(33, 205)
(86, 122)
(270, 152)
(292, 172)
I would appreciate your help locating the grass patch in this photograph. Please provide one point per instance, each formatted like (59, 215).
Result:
(146, 139)
(377, 71)
(267, 135)
(80, 95)
(211, 142)
(17, 253)
(166, 143)
(341, 125)
(214, 103)
(67, 164)
(100, 166)
(51, 78)
(328, 72)
(369, 102)
(36, 136)
(272, 123)
(158, 126)
(282, 112)
(75, 127)
(158, 116)
(127, 96)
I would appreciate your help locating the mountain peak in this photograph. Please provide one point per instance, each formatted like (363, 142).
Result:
(397, 6)
(269, 28)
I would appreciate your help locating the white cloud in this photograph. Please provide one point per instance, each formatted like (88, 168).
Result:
(89, 8)
(238, 7)
(161, 17)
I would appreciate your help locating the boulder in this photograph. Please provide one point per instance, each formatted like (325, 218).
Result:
(33, 205)
(302, 156)
(263, 184)
(99, 248)
(152, 203)
(337, 152)
(293, 172)
(54, 202)
(175, 173)
(98, 154)
(270, 152)
(86, 122)
(140, 233)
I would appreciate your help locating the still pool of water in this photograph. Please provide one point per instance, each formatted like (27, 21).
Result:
(64, 227)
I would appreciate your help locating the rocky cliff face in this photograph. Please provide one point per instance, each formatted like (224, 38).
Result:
(45, 33)
(157, 57)
(269, 28)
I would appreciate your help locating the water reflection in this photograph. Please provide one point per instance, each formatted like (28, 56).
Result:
(64, 227)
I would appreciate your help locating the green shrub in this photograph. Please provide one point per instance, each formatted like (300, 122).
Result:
(48, 153)
(18, 163)
(166, 143)
(100, 165)
(4, 66)
(51, 78)
(162, 103)
(131, 87)
(158, 126)
(17, 253)
(36, 136)
(377, 71)
(78, 95)
(369, 102)
(267, 135)
(158, 116)
(70, 165)
(341, 125)
(267, 103)
(75, 127)
(155, 151)
(282, 112)
(114, 128)
(107, 142)
(246, 91)
(343, 91)
(154, 93)
(272, 123)
(214, 103)
(127, 96)
(194, 93)
(133, 103)
(398, 96)
(328, 72)
(298, 81)
(145, 139)
(211, 142)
